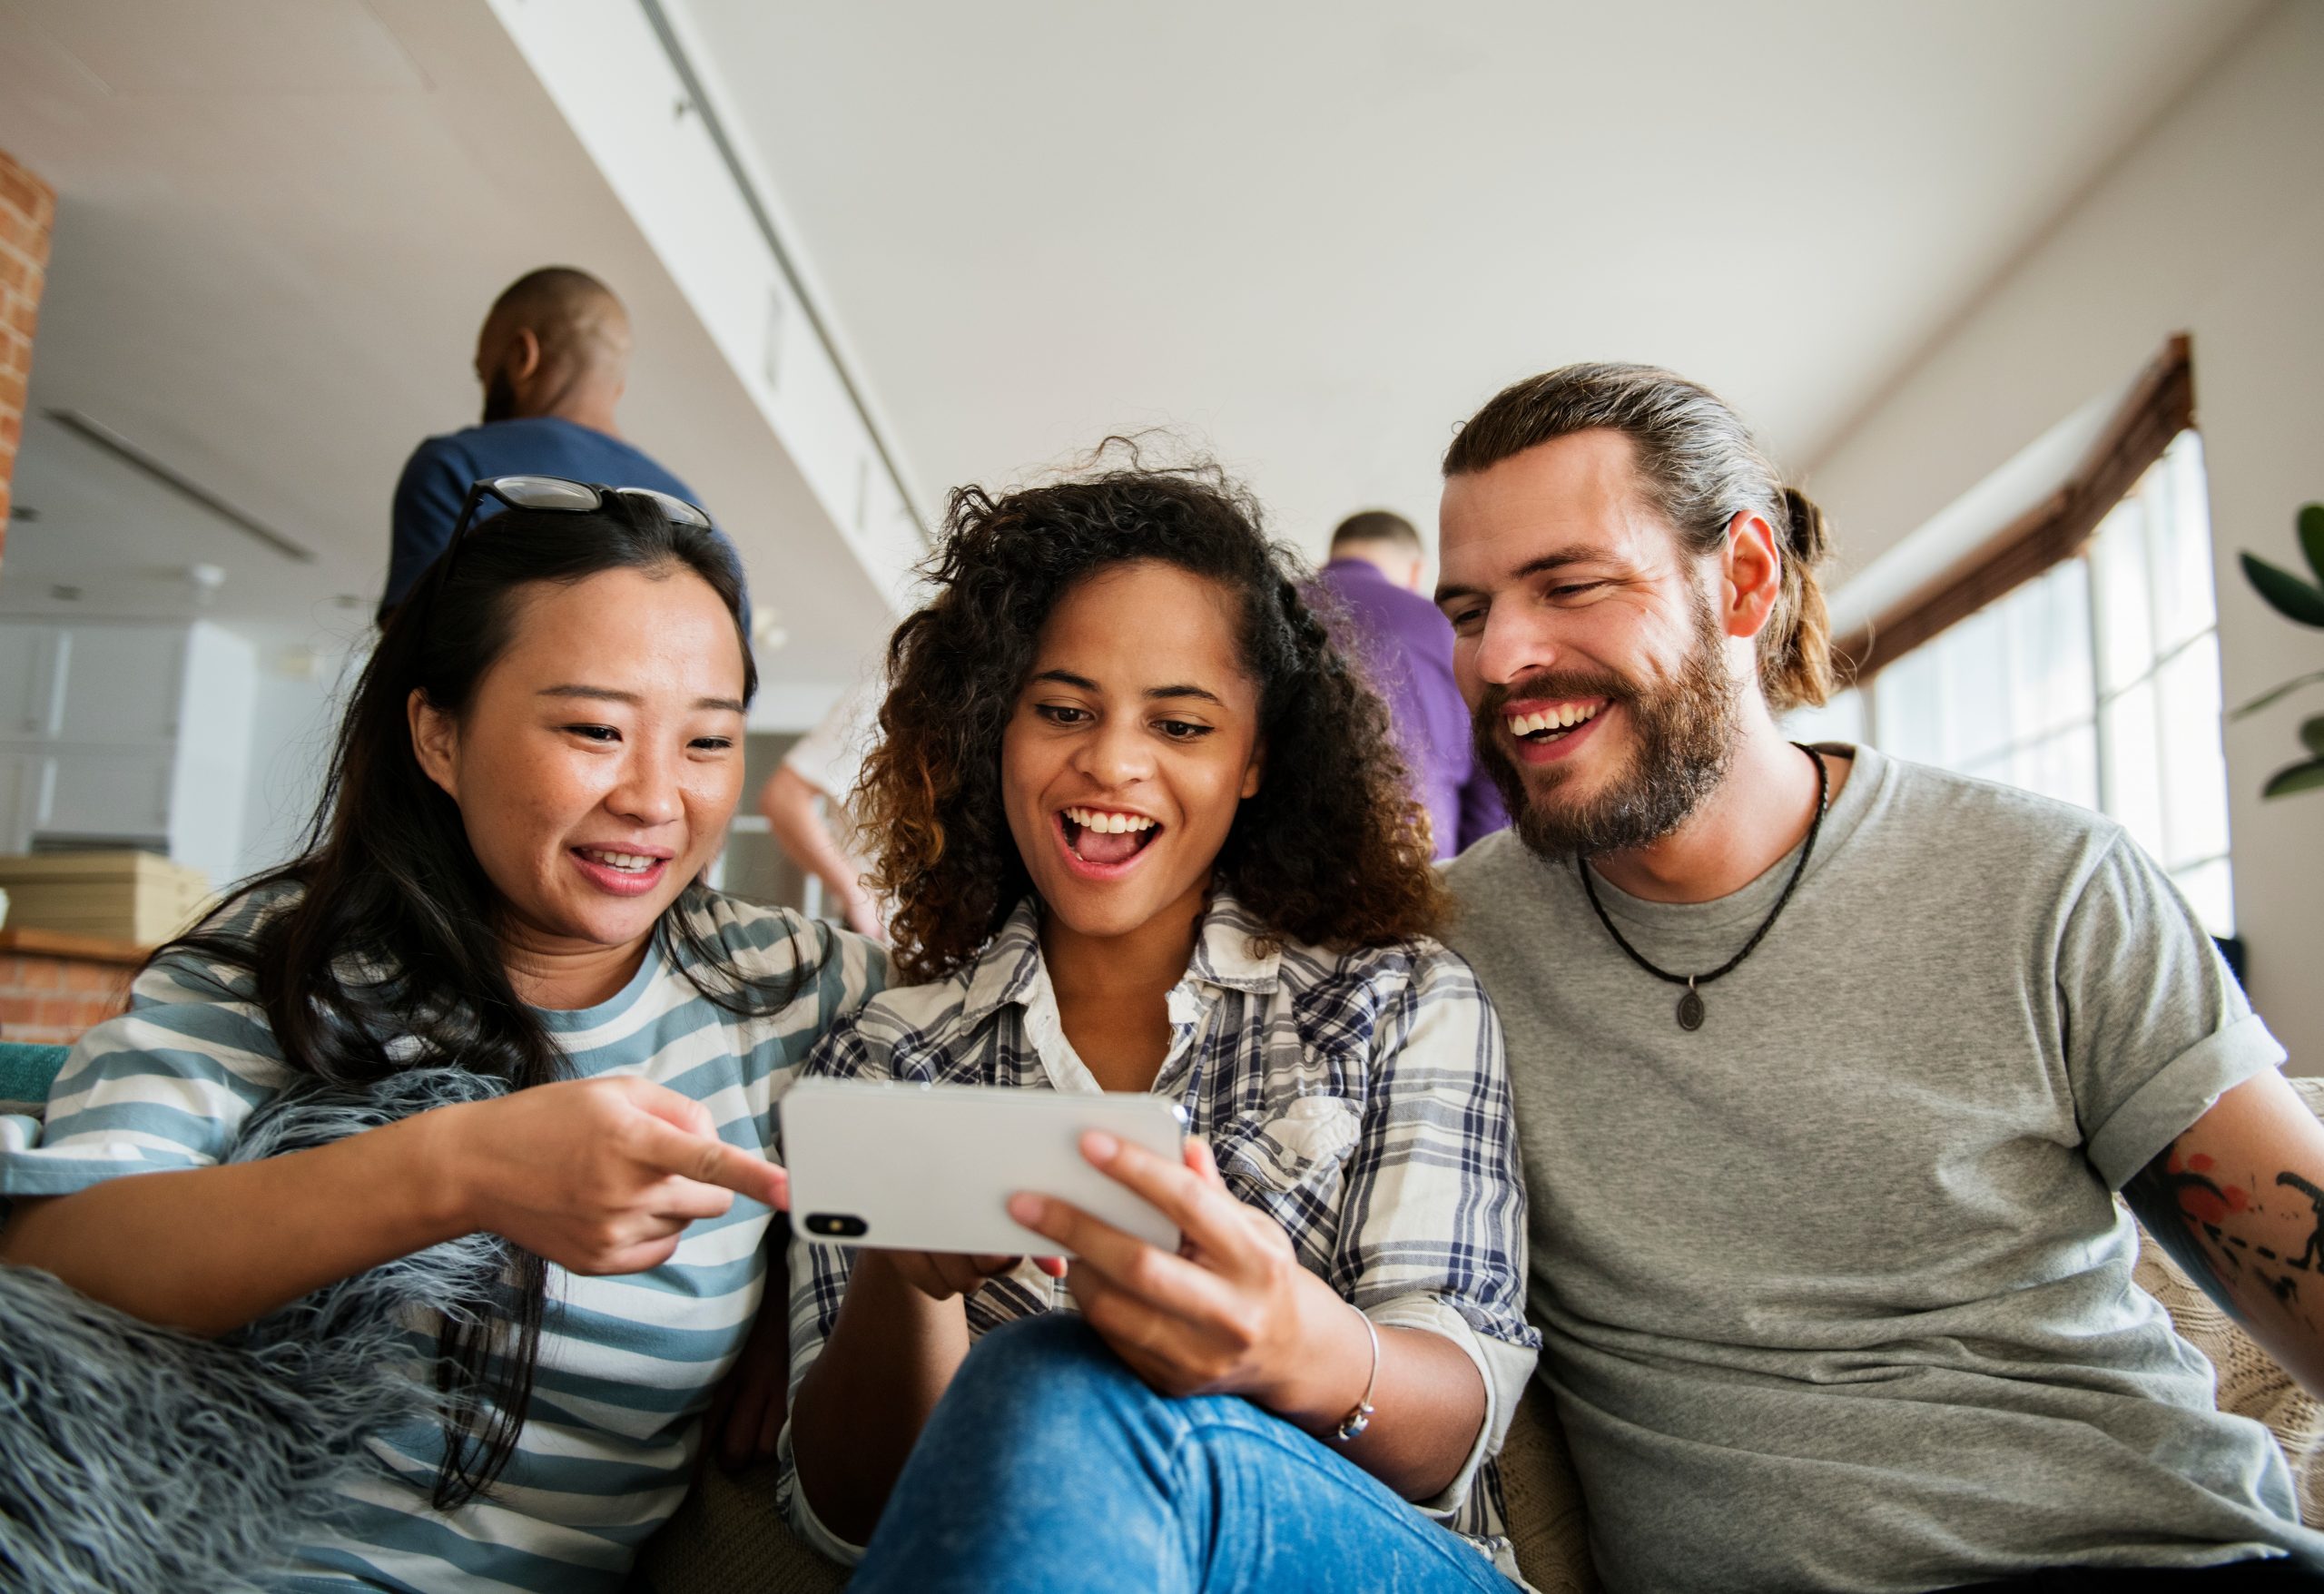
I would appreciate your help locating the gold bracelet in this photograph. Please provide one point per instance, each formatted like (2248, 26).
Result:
(1358, 1419)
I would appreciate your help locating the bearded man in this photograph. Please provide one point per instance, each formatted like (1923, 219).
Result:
(1827, 1068)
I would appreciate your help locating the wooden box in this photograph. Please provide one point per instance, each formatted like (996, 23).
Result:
(138, 896)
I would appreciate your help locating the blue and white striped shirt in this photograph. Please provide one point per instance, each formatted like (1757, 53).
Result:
(627, 1364)
(1359, 1098)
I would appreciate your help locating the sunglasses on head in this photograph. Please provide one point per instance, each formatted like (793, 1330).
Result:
(555, 493)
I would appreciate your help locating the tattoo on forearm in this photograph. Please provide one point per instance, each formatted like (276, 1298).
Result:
(2314, 1254)
(2194, 1217)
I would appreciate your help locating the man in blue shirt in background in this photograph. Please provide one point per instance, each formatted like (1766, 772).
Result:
(554, 358)
(1405, 646)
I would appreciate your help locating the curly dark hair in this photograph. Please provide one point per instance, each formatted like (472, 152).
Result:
(1333, 850)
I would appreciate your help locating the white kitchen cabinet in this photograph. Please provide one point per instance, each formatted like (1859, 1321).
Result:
(119, 797)
(123, 684)
(32, 681)
(121, 735)
(27, 784)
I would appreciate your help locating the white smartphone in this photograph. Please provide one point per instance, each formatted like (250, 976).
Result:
(931, 1167)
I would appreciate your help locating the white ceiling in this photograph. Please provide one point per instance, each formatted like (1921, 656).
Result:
(279, 223)
(1310, 238)
(1313, 237)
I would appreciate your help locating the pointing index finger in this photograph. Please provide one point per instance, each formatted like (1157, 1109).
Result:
(708, 1160)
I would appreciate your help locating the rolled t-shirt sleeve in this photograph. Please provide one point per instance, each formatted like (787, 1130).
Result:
(2155, 1026)
(165, 1086)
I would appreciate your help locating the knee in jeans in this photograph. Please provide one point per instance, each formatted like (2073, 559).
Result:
(1031, 1346)
(1054, 1357)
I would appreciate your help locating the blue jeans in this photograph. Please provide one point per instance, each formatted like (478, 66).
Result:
(1050, 1466)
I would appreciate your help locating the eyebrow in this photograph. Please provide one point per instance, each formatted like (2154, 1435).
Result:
(607, 694)
(1575, 554)
(1066, 678)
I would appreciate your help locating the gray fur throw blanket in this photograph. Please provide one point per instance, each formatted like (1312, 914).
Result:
(137, 1460)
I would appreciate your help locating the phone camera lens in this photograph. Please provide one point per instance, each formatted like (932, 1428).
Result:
(842, 1225)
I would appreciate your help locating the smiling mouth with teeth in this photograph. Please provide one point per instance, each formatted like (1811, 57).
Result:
(626, 862)
(1554, 725)
(1101, 835)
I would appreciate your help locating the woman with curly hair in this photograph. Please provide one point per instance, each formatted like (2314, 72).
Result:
(1143, 830)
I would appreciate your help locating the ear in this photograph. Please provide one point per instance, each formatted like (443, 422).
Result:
(1751, 571)
(434, 742)
(1412, 573)
(523, 357)
(1256, 771)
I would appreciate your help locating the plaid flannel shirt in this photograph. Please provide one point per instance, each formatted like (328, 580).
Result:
(1359, 1098)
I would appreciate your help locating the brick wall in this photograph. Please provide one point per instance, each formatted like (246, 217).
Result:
(52, 999)
(28, 213)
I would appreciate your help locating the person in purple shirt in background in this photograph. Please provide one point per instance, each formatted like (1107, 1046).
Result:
(1379, 618)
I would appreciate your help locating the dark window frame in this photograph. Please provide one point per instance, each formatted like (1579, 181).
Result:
(2159, 405)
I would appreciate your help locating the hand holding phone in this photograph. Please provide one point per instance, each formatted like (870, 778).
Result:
(930, 1168)
(1229, 1312)
(942, 1274)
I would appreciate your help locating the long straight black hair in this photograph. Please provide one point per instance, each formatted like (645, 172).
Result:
(378, 949)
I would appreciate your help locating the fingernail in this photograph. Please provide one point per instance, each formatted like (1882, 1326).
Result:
(1025, 1207)
(1100, 1146)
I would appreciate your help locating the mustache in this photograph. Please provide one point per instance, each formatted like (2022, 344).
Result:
(1554, 683)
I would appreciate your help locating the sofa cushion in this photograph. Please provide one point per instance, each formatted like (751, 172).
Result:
(1543, 1499)
(730, 1538)
(27, 1071)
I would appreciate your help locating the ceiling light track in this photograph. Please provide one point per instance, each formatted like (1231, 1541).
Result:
(103, 437)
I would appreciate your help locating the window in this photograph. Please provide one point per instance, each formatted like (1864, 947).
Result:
(2095, 681)
(2163, 768)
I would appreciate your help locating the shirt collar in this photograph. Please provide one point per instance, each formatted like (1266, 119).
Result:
(1010, 971)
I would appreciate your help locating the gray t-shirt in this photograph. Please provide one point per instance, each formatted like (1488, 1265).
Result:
(1836, 1293)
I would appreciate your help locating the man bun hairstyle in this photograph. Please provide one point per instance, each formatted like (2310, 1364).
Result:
(1700, 466)
(1796, 671)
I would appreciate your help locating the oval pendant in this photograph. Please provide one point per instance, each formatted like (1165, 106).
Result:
(1690, 1010)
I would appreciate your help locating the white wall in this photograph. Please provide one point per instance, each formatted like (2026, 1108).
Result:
(2212, 223)
(301, 692)
(209, 789)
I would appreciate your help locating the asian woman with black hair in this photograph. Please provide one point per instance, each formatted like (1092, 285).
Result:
(502, 880)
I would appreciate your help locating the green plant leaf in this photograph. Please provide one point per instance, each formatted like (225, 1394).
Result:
(2298, 777)
(2287, 593)
(2273, 693)
(2313, 733)
(2311, 536)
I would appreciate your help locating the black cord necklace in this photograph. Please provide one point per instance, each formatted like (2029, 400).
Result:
(1690, 1006)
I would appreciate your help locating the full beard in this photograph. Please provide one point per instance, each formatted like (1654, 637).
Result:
(1686, 729)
